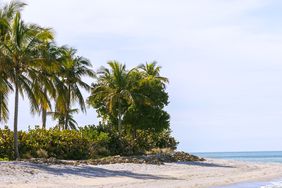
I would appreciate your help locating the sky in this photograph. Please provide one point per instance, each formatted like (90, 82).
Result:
(223, 59)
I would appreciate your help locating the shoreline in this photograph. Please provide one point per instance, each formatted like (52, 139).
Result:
(209, 173)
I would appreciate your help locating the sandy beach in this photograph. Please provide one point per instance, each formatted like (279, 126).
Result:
(193, 174)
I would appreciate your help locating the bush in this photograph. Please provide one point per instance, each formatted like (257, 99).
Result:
(98, 141)
(6, 143)
(138, 143)
(87, 143)
(66, 144)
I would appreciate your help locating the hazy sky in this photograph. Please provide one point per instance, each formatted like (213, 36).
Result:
(223, 59)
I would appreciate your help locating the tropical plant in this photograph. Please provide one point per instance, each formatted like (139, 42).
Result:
(61, 117)
(7, 13)
(151, 70)
(130, 102)
(149, 115)
(46, 73)
(5, 89)
(112, 94)
(134, 98)
(72, 70)
(21, 48)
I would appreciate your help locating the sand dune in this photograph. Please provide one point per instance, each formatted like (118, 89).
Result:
(193, 175)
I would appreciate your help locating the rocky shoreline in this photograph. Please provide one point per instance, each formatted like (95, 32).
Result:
(156, 159)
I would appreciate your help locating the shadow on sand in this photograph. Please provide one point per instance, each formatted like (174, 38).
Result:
(205, 164)
(91, 171)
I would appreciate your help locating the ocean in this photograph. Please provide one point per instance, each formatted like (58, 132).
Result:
(261, 156)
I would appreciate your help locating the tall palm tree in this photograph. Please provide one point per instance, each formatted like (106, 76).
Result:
(7, 13)
(21, 47)
(73, 69)
(45, 72)
(151, 70)
(114, 87)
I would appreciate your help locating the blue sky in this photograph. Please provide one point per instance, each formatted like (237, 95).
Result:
(223, 59)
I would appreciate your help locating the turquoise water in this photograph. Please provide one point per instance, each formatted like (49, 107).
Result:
(262, 156)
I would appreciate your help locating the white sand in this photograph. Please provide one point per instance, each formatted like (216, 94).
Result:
(197, 174)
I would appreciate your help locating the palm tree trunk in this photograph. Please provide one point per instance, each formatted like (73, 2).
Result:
(44, 114)
(1, 107)
(134, 133)
(68, 108)
(16, 143)
(66, 122)
(44, 117)
(119, 117)
(61, 122)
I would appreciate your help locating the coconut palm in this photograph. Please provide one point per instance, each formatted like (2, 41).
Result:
(72, 124)
(5, 89)
(21, 48)
(73, 69)
(45, 74)
(151, 70)
(7, 13)
(114, 87)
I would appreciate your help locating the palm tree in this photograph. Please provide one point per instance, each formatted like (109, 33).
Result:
(114, 87)
(72, 124)
(73, 69)
(48, 66)
(21, 48)
(7, 13)
(151, 70)
(5, 88)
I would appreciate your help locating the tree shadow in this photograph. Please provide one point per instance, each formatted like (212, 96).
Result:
(90, 171)
(205, 164)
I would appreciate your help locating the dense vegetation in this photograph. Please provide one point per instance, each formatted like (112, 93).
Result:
(130, 103)
(85, 143)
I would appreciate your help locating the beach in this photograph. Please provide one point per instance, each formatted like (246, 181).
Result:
(210, 173)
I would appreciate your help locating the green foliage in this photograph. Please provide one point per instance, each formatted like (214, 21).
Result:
(71, 71)
(130, 102)
(131, 99)
(98, 140)
(142, 141)
(6, 143)
(31, 64)
(86, 143)
(4, 159)
(64, 144)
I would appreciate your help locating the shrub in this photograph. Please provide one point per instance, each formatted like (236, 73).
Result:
(6, 143)
(66, 144)
(98, 140)
(85, 143)
(4, 159)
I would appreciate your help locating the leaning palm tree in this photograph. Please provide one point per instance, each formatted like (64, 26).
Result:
(114, 88)
(73, 69)
(21, 48)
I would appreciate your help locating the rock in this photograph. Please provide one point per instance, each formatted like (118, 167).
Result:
(156, 159)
